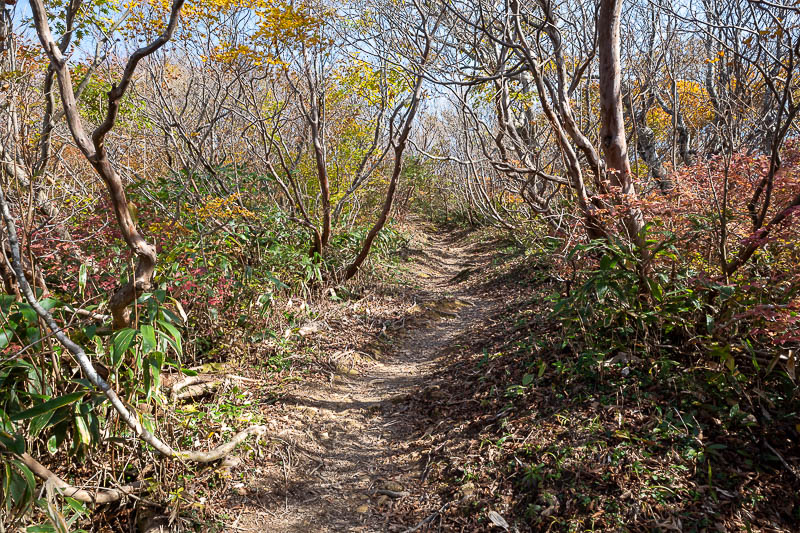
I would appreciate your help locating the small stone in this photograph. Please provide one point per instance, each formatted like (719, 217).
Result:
(498, 520)
(467, 489)
(309, 329)
(393, 486)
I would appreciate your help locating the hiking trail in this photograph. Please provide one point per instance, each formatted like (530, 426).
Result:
(350, 451)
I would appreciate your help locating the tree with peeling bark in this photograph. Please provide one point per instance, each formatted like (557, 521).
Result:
(93, 148)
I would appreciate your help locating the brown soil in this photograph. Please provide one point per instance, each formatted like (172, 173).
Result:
(352, 453)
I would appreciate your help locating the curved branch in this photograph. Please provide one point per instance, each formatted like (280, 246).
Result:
(71, 491)
(129, 417)
(95, 153)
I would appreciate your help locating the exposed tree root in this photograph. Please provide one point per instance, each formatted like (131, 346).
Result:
(195, 391)
(222, 450)
(82, 495)
(192, 387)
(195, 386)
(393, 493)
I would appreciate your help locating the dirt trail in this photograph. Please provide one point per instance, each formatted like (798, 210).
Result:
(354, 457)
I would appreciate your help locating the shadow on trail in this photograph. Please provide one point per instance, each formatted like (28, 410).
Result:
(348, 455)
(551, 439)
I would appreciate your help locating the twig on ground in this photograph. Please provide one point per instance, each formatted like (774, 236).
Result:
(432, 516)
(782, 460)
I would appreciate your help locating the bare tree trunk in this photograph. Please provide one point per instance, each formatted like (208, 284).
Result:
(399, 146)
(316, 120)
(646, 141)
(612, 128)
(93, 149)
(387, 207)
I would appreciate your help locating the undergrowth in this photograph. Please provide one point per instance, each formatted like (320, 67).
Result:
(235, 282)
(621, 396)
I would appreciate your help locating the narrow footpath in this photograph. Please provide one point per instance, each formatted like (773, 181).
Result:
(355, 459)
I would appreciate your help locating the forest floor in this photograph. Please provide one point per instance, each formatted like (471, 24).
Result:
(353, 451)
(444, 397)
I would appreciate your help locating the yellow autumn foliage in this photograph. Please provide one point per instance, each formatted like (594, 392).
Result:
(220, 208)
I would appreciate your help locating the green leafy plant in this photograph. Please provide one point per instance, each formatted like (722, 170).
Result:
(625, 303)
